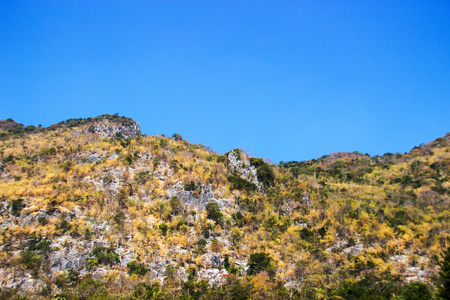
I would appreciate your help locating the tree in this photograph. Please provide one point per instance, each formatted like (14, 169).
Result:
(177, 137)
(444, 274)
(163, 227)
(213, 212)
(416, 290)
(265, 175)
(176, 205)
(259, 262)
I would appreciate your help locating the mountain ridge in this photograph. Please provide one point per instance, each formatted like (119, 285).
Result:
(93, 207)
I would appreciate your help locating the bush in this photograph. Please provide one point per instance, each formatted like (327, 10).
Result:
(259, 262)
(142, 177)
(444, 274)
(265, 175)
(164, 228)
(31, 260)
(177, 137)
(176, 205)
(238, 183)
(105, 256)
(16, 207)
(201, 244)
(66, 166)
(191, 186)
(213, 212)
(256, 162)
(416, 290)
(136, 268)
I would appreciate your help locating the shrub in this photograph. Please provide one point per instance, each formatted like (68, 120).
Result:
(164, 228)
(176, 205)
(201, 244)
(416, 290)
(136, 268)
(213, 212)
(42, 221)
(256, 162)
(191, 186)
(142, 177)
(177, 137)
(105, 256)
(444, 274)
(16, 207)
(238, 183)
(259, 262)
(31, 260)
(66, 166)
(72, 276)
(265, 175)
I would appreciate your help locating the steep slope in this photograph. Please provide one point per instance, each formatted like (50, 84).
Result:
(92, 208)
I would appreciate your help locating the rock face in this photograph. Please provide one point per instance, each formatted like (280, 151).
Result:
(239, 163)
(198, 200)
(112, 129)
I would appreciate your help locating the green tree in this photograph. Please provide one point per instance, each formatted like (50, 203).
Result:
(444, 275)
(213, 212)
(176, 205)
(416, 290)
(259, 262)
(265, 175)
(177, 137)
(163, 227)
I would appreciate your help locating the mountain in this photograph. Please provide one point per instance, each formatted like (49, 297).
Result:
(93, 209)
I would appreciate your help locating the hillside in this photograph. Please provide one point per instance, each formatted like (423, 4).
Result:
(93, 209)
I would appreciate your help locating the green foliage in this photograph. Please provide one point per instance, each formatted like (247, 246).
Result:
(16, 207)
(370, 287)
(177, 137)
(142, 177)
(444, 274)
(265, 175)
(128, 159)
(256, 162)
(31, 260)
(10, 159)
(201, 244)
(176, 205)
(137, 268)
(38, 245)
(259, 262)
(164, 228)
(238, 219)
(66, 166)
(416, 290)
(307, 235)
(42, 220)
(105, 256)
(191, 186)
(72, 276)
(238, 183)
(213, 212)
(144, 291)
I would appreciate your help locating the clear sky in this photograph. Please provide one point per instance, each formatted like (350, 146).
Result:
(285, 80)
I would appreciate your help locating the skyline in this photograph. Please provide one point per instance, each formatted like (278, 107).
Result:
(286, 82)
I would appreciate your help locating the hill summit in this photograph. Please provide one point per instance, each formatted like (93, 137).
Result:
(92, 209)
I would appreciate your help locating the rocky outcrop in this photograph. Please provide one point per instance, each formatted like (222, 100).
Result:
(198, 199)
(239, 163)
(114, 129)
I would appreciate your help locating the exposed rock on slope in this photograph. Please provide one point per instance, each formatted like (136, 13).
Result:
(91, 205)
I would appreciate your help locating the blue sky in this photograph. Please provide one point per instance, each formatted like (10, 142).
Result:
(285, 80)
